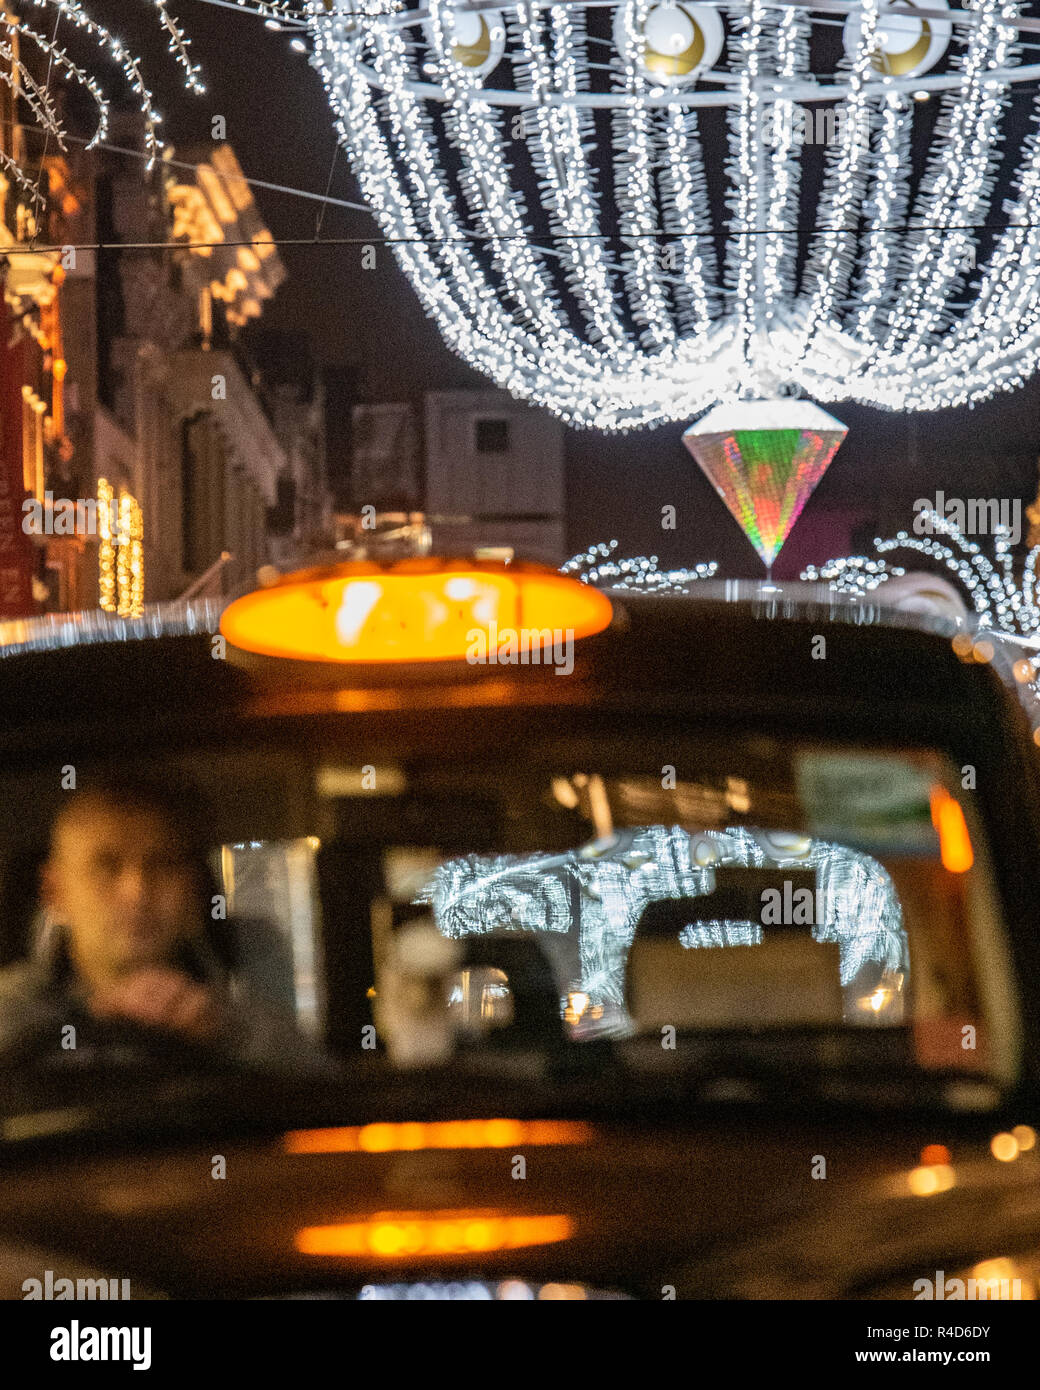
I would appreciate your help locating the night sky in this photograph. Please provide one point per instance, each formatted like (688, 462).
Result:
(370, 324)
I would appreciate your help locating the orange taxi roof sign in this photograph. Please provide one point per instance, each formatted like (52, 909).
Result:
(425, 609)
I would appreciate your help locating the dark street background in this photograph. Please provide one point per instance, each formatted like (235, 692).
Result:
(369, 324)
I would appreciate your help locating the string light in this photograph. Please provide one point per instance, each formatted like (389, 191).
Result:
(106, 548)
(860, 908)
(902, 322)
(1007, 605)
(123, 558)
(641, 574)
(15, 72)
(130, 560)
(120, 552)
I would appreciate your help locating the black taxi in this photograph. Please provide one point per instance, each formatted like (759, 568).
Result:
(645, 947)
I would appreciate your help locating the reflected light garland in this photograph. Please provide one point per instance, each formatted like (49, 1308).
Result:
(474, 895)
(130, 563)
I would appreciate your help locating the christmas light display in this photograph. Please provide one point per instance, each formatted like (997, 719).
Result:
(120, 552)
(106, 548)
(43, 29)
(548, 176)
(1006, 605)
(764, 458)
(639, 574)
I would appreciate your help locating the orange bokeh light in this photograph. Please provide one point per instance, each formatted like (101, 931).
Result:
(444, 1134)
(1004, 1147)
(954, 841)
(935, 1154)
(398, 1235)
(931, 1179)
(418, 610)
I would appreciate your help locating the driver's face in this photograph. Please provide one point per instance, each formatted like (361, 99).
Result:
(118, 881)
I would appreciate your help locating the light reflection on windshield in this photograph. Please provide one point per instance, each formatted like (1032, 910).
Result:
(597, 895)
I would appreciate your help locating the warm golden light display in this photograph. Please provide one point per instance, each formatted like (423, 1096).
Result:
(217, 220)
(441, 1134)
(106, 548)
(120, 552)
(130, 564)
(392, 1235)
(418, 610)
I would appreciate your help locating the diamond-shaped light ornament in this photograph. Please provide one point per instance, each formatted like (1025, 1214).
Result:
(764, 458)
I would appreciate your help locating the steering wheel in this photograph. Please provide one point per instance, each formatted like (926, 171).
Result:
(120, 1044)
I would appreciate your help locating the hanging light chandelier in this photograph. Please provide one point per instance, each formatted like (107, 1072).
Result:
(629, 211)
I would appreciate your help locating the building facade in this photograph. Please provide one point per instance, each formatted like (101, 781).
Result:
(144, 456)
(486, 472)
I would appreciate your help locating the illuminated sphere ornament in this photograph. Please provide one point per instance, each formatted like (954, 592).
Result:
(476, 41)
(673, 43)
(904, 44)
(631, 212)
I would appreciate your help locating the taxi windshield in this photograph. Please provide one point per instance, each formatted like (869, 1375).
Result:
(846, 888)
(669, 887)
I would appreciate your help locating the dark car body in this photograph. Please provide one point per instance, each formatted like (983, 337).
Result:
(701, 1179)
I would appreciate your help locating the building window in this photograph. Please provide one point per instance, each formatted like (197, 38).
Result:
(190, 500)
(491, 435)
(281, 518)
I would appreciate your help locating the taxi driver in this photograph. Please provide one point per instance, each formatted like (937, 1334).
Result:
(128, 891)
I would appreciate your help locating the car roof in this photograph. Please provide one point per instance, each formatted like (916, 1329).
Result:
(730, 645)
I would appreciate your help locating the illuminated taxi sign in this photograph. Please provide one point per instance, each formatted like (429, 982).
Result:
(418, 610)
